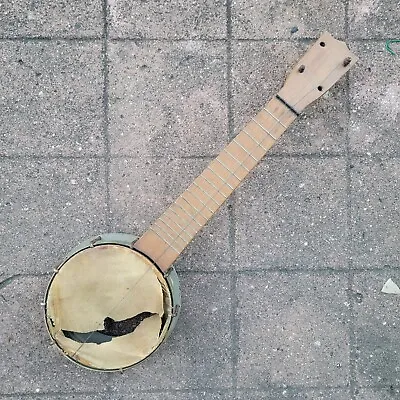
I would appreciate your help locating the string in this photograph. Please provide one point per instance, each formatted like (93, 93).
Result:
(232, 173)
(100, 324)
(259, 144)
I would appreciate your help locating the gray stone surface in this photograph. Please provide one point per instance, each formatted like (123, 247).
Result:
(193, 357)
(142, 189)
(375, 188)
(186, 395)
(56, 18)
(61, 396)
(162, 395)
(257, 77)
(28, 364)
(292, 214)
(376, 329)
(47, 207)
(99, 95)
(374, 96)
(174, 19)
(374, 19)
(168, 99)
(389, 393)
(198, 354)
(284, 19)
(51, 102)
(295, 394)
(293, 330)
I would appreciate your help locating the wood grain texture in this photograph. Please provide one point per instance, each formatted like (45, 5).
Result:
(322, 65)
(317, 71)
(169, 235)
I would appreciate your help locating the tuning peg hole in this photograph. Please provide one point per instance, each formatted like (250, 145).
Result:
(322, 44)
(320, 88)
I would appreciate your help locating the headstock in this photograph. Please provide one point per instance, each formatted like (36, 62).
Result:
(319, 69)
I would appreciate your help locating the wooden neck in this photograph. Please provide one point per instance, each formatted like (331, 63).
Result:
(169, 235)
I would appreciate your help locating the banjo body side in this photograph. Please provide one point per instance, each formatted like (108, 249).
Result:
(102, 280)
(116, 298)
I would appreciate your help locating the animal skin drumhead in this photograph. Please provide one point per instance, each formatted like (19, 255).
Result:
(106, 307)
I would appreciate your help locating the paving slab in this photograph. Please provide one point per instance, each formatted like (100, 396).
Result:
(195, 356)
(286, 19)
(259, 71)
(174, 19)
(48, 206)
(267, 309)
(374, 97)
(140, 192)
(373, 19)
(198, 354)
(186, 395)
(376, 329)
(51, 101)
(162, 395)
(293, 330)
(389, 393)
(57, 18)
(375, 186)
(60, 396)
(168, 99)
(296, 394)
(28, 364)
(292, 214)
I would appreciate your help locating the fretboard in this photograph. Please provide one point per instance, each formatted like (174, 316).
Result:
(169, 235)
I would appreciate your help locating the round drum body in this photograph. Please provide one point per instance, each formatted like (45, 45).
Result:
(108, 306)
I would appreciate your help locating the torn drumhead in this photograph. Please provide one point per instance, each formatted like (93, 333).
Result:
(108, 307)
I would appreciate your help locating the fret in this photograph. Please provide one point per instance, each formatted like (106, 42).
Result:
(177, 235)
(190, 216)
(264, 129)
(275, 118)
(194, 207)
(216, 182)
(232, 173)
(240, 170)
(193, 214)
(223, 181)
(244, 157)
(197, 204)
(189, 191)
(164, 240)
(248, 152)
(239, 162)
(174, 236)
(206, 193)
(258, 144)
(178, 230)
(213, 194)
(252, 145)
(181, 219)
(210, 183)
(198, 212)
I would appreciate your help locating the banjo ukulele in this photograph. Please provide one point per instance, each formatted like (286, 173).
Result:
(115, 298)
